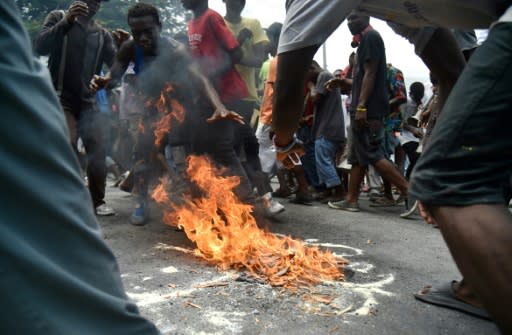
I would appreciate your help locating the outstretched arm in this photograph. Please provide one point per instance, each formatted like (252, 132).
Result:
(121, 62)
(220, 110)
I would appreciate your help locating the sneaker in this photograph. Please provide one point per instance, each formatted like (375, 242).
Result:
(272, 207)
(410, 211)
(104, 210)
(344, 205)
(302, 199)
(139, 215)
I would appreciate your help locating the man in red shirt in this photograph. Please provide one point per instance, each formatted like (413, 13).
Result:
(216, 51)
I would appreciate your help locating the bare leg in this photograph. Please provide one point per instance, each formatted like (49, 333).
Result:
(390, 173)
(289, 91)
(354, 184)
(480, 240)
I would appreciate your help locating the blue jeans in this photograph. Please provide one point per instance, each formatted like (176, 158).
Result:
(308, 160)
(325, 155)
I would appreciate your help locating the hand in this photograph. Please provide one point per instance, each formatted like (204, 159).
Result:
(343, 84)
(361, 119)
(120, 36)
(76, 9)
(98, 83)
(221, 113)
(291, 157)
(244, 35)
(425, 214)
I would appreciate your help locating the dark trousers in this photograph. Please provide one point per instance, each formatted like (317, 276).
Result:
(410, 151)
(87, 124)
(216, 141)
(245, 139)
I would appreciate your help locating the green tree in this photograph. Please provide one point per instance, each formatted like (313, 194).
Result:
(112, 14)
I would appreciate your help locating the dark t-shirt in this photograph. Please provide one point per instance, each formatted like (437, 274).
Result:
(372, 48)
(329, 121)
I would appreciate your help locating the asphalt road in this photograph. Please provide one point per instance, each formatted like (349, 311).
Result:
(391, 259)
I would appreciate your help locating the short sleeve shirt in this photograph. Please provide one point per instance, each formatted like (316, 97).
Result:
(210, 42)
(329, 121)
(248, 73)
(372, 48)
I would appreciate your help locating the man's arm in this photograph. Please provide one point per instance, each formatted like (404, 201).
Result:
(55, 27)
(259, 42)
(228, 43)
(256, 58)
(120, 64)
(209, 91)
(367, 85)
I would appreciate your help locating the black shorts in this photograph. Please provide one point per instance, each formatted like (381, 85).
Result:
(366, 143)
(468, 160)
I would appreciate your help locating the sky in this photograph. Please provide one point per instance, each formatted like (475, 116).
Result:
(399, 51)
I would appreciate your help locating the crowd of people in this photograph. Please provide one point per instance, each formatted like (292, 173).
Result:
(325, 137)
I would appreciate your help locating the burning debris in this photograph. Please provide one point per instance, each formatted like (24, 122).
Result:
(226, 234)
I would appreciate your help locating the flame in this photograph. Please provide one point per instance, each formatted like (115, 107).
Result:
(140, 126)
(170, 109)
(226, 233)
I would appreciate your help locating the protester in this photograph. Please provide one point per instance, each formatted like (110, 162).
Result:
(368, 109)
(72, 63)
(411, 134)
(59, 276)
(267, 152)
(328, 130)
(159, 62)
(463, 176)
(253, 42)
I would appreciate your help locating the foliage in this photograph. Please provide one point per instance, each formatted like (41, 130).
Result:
(112, 14)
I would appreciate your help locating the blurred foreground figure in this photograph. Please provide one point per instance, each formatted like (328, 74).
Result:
(57, 275)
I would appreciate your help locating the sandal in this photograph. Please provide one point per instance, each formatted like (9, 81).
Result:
(383, 202)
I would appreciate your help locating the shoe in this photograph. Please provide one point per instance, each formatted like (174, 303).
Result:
(139, 215)
(104, 210)
(282, 193)
(373, 196)
(302, 199)
(272, 207)
(410, 211)
(344, 205)
(383, 202)
(401, 198)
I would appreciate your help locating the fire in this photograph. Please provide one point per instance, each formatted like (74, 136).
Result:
(170, 109)
(226, 233)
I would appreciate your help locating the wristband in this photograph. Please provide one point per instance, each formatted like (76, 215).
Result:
(286, 148)
(361, 109)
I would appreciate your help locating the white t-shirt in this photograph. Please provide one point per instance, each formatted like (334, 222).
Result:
(310, 22)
